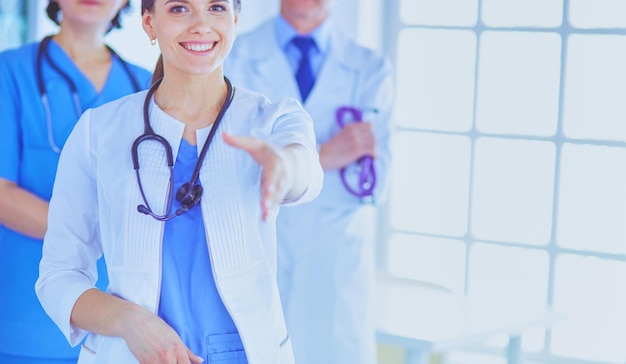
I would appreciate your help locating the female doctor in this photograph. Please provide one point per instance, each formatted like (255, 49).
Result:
(45, 86)
(178, 187)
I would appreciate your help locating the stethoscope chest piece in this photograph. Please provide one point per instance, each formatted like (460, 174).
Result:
(190, 193)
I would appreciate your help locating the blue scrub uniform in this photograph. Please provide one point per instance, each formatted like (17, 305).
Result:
(190, 301)
(28, 160)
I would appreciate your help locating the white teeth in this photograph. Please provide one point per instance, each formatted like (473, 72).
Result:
(199, 47)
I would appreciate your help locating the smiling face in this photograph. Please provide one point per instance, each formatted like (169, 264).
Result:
(306, 10)
(194, 36)
(89, 13)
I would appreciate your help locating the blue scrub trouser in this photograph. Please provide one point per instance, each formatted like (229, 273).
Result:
(10, 359)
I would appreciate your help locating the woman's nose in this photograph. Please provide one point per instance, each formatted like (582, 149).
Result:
(201, 23)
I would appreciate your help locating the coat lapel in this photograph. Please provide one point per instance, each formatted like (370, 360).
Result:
(264, 69)
(338, 76)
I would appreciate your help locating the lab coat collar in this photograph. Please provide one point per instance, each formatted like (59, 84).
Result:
(338, 46)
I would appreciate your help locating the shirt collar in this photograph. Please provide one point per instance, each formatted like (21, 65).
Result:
(285, 33)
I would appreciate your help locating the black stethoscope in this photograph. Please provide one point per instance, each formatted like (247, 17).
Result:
(42, 52)
(190, 192)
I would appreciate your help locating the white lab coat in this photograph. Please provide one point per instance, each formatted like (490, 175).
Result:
(93, 210)
(325, 247)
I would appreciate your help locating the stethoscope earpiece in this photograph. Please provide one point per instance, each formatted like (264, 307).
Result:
(143, 209)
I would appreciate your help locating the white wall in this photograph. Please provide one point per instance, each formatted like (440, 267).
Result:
(359, 19)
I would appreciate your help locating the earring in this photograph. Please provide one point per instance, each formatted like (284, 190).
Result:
(152, 41)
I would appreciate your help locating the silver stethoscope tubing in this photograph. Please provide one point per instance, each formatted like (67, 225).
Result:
(42, 52)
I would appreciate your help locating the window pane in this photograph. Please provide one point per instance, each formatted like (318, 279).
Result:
(595, 84)
(591, 292)
(429, 192)
(533, 340)
(436, 89)
(437, 12)
(592, 199)
(597, 13)
(428, 259)
(468, 357)
(518, 85)
(531, 13)
(508, 276)
(12, 23)
(513, 190)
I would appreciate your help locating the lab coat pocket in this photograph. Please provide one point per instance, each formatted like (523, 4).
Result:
(89, 348)
(225, 348)
(86, 356)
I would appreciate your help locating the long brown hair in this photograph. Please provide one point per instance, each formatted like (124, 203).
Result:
(148, 5)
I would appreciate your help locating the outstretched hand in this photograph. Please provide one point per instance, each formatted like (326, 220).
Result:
(275, 178)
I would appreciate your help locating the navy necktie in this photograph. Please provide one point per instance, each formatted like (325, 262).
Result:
(304, 74)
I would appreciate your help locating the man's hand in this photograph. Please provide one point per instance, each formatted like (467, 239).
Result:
(354, 141)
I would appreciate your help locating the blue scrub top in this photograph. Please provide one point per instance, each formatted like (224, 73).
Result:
(28, 160)
(190, 302)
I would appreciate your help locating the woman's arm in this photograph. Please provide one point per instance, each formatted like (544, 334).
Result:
(148, 337)
(22, 211)
(68, 271)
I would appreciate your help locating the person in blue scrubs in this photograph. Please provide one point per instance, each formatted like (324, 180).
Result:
(31, 137)
(178, 188)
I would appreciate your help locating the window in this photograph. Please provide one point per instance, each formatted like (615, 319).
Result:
(509, 171)
(12, 23)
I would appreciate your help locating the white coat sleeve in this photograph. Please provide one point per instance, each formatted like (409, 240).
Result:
(293, 125)
(71, 245)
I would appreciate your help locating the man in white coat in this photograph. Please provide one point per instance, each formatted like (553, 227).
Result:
(326, 262)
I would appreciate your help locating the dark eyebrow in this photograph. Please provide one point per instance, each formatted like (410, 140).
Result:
(187, 1)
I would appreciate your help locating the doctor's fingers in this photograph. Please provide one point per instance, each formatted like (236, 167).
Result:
(359, 136)
(262, 152)
(266, 155)
(153, 341)
(193, 358)
(358, 139)
(182, 356)
(178, 354)
(251, 145)
(274, 178)
(274, 187)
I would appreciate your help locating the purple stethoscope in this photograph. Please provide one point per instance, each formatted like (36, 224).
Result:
(364, 186)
